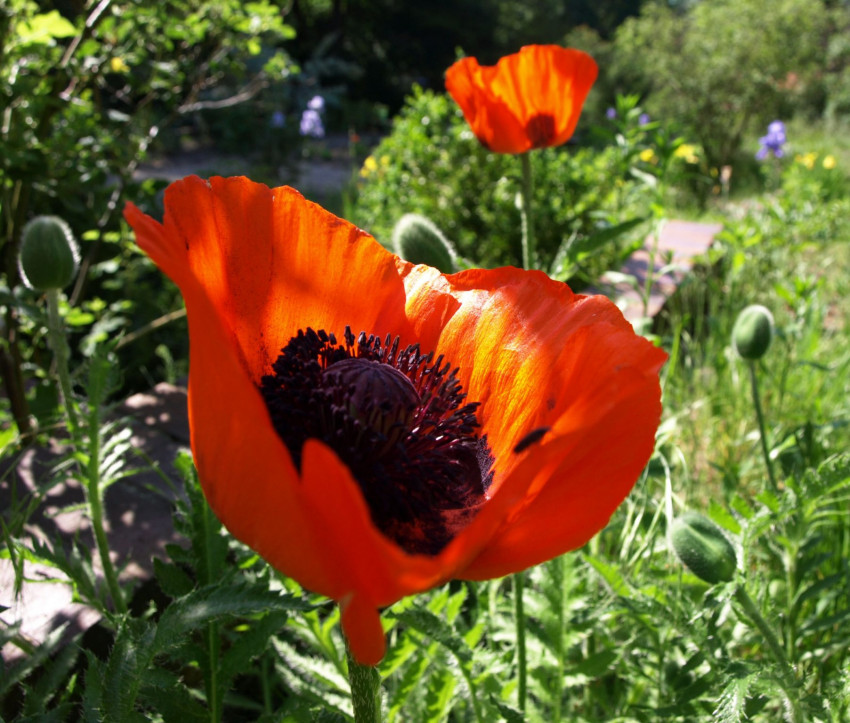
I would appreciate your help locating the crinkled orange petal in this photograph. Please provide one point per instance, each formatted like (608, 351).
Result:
(539, 356)
(501, 103)
(242, 309)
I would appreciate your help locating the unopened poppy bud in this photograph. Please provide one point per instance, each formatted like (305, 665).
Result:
(753, 332)
(418, 240)
(49, 256)
(703, 548)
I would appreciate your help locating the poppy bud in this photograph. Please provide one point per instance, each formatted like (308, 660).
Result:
(49, 256)
(753, 332)
(703, 548)
(418, 240)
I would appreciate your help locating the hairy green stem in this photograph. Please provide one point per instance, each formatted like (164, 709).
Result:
(557, 567)
(788, 681)
(519, 620)
(760, 418)
(365, 682)
(94, 497)
(528, 241)
(56, 338)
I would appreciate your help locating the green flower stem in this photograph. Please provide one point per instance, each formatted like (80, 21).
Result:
(788, 681)
(365, 682)
(528, 242)
(91, 487)
(760, 418)
(519, 620)
(56, 338)
(556, 568)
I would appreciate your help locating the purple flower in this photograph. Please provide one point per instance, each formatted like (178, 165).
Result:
(611, 113)
(643, 119)
(772, 143)
(278, 119)
(316, 103)
(311, 124)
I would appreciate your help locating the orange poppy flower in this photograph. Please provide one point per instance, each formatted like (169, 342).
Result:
(320, 447)
(531, 99)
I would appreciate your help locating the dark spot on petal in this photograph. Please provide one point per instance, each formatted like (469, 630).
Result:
(534, 436)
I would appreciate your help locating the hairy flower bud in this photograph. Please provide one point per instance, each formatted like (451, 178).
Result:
(417, 239)
(49, 256)
(753, 332)
(703, 548)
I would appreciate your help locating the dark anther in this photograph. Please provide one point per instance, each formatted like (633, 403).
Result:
(534, 436)
(397, 418)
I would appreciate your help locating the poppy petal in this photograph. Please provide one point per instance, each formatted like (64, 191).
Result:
(558, 362)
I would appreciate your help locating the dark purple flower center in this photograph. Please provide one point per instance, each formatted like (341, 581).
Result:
(397, 418)
(541, 130)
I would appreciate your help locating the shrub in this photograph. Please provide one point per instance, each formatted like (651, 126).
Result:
(725, 65)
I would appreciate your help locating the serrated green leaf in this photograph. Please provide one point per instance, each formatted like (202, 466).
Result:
(742, 507)
(436, 629)
(610, 574)
(172, 579)
(410, 679)
(199, 607)
(723, 517)
(731, 708)
(508, 713)
(53, 680)
(438, 699)
(250, 644)
(131, 654)
(167, 695)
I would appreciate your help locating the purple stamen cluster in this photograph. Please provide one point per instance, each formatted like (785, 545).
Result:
(399, 421)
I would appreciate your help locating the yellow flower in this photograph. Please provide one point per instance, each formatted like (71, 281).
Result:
(117, 65)
(370, 165)
(647, 155)
(829, 162)
(687, 152)
(807, 159)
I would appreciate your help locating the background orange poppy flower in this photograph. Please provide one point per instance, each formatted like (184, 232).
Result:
(531, 99)
(255, 265)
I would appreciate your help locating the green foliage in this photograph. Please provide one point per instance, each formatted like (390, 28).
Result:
(722, 68)
(85, 94)
(431, 164)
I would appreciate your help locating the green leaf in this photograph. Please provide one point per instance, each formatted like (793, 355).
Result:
(509, 714)
(438, 700)
(723, 517)
(171, 578)
(44, 29)
(436, 629)
(200, 607)
(250, 644)
(128, 660)
(411, 679)
(610, 574)
(731, 707)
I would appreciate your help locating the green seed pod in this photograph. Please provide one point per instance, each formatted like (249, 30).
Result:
(418, 240)
(753, 332)
(49, 256)
(705, 550)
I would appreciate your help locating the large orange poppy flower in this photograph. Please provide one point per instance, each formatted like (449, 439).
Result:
(355, 464)
(531, 99)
